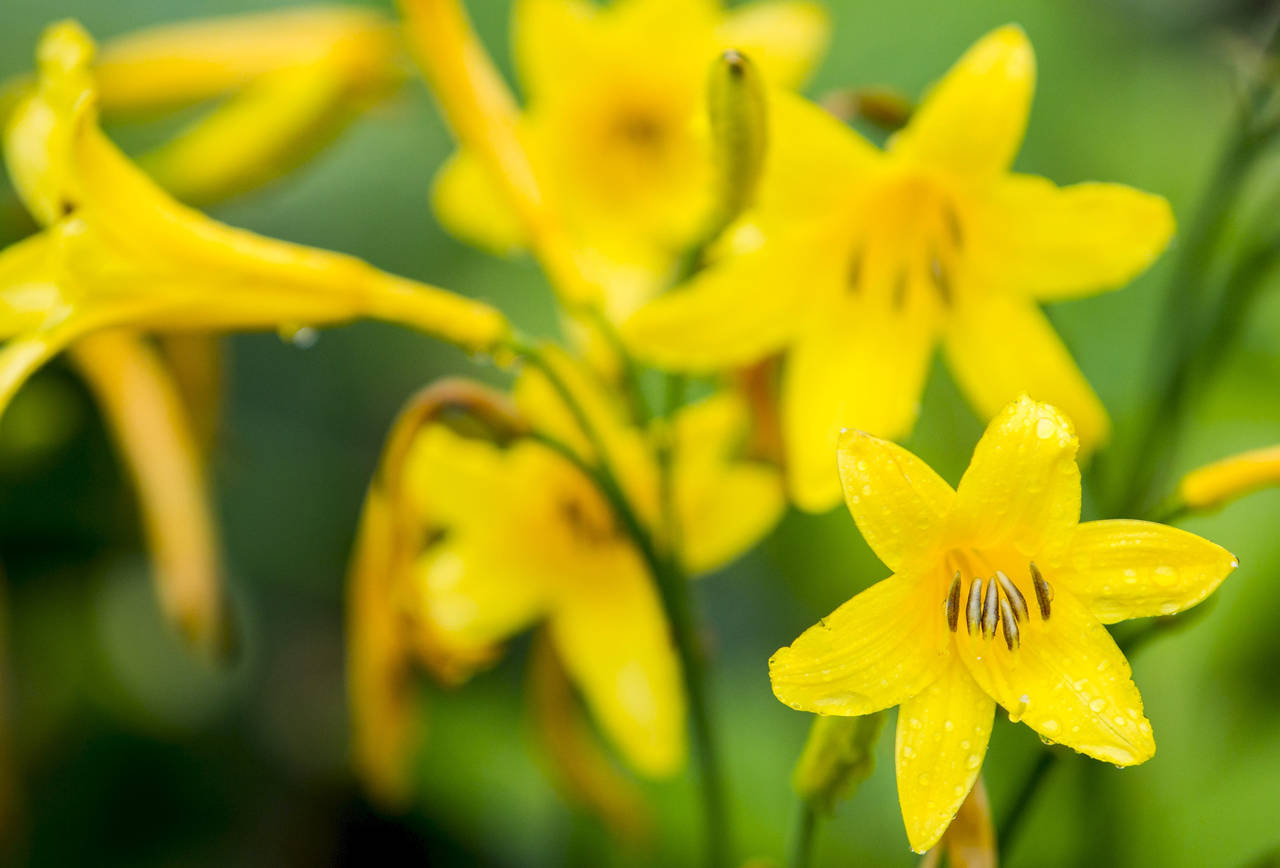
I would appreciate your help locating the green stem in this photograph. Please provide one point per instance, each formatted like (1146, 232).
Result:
(806, 829)
(673, 590)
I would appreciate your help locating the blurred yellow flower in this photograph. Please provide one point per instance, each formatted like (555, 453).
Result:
(1216, 483)
(999, 595)
(857, 262)
(117, 251)
(615, 126)
(526, 536)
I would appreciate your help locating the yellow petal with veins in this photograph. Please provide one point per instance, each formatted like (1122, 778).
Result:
(616, 645)
(785, 37)
(942, 739)
(1022, 487)
(1065, 242)
(1125, 569)
(899, 504)
(877, 650)
(972, 122)
(1068, 681)
(1000, 346)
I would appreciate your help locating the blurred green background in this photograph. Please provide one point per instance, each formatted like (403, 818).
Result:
(130, 753)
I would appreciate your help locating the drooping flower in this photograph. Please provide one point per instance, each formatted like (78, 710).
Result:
(118, 252)
(998, 596)
(615, 127)
(858, 262)
(516, 534)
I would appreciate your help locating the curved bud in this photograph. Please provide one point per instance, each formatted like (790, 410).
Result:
(736, 109)
(839, 754)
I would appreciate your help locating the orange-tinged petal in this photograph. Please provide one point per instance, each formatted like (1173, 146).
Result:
(785, 37)
(549, 39)
(858, 367)
(1125, 569)
(1022, 487)
(897, 501)
(877, 650)
(473, 207)
(1067, 680)
(973, 120)
(1000, 347)
(616, 645)
(1064, 242)
(942, 738)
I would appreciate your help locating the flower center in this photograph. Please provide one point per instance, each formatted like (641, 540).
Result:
(909, 243)
(995, 603)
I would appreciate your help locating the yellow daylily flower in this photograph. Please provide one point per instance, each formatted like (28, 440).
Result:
(999, 595)
(615, 127)
(1215, 484)
(857, 262)
(521, 535)
(118, 251)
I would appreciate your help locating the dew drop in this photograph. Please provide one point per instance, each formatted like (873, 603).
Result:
(1096, 706)
(1050, 726)
(973, 761)
(1045, 429)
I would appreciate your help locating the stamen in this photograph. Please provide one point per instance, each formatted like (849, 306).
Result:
(1044, 593)
(953, 225)
(853, 278)
(990, 609)
(940, 279)
(952, 605)
(1016, 600)
(1011, 636)
(900, 290)
(973, 614)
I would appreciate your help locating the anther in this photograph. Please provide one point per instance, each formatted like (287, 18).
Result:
(940, 279)
(990, 609)
(1016, 600)
(853, 278)
(953, 226)
(973, 613)
(1010, 624)
(900, 290)
(952, 605)
(1044, 593)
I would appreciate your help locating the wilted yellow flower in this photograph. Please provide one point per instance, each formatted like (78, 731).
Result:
(999, 595)
(615, 127)
(858, 262)
(519, 534)
(117, 251)
(1216, 483)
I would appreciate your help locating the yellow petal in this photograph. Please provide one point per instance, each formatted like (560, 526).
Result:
(1067, 680)
(722, 522)
(785, 37)
(970, 840)
(733, 313)
(549, 39)
(1022, 487)
(269, 129)
(188, 62)
(22, 357)
(877, 650)
(942, 738)
(897, 501)
(859, 366)
(973, 120)
(616, 645)
(384, 728)
(1066, 242)
(147, 418)
(452, 479)
(472, 207)
(1135, 569)
(1216, 483)
(999, 347)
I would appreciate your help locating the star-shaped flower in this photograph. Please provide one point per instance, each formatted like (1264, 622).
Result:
(856, 263)
(998, 596)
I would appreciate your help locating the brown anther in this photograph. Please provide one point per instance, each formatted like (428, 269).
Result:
(1016, 600)
(973, 612)
(853, 277)
(990, 609)
(1044, 592)
(940, 279)
(1012, 637)
(952, 604)
(900, 290)
(953, 225)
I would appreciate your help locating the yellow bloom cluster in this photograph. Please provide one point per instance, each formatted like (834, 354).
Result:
(762, 240)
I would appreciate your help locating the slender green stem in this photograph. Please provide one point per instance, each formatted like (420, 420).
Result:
(626, 364)
(806, 830)
(673, 589)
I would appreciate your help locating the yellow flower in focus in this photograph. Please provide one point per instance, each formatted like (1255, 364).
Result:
(117, 251)
(999, 595)
(857, 262)
(521, 535)
(615, 126)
